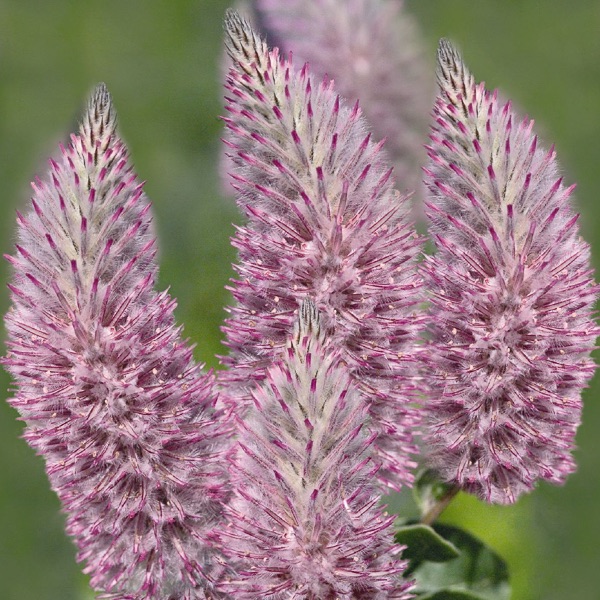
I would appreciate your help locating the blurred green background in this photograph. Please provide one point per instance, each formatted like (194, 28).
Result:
(160, 61)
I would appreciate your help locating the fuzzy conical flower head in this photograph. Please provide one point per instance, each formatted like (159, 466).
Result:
(512, 297)
(305, 515)
(111, 396)
(323, 222)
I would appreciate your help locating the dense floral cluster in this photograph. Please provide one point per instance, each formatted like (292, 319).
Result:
(111, 396)
(266, 483)
(511, 297)
(323, 222)
(305, 519)
(373, 52)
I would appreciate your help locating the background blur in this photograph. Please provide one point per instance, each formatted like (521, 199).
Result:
(160, 61)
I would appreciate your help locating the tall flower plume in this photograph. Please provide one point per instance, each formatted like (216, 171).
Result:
(110, 394)
(373, 52)
(325, 222)
(512, 297)
(305, 516)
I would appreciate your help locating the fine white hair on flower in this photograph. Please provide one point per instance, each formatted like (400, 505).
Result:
(109, 391)
(323, 221)
(373, 51)
(511, 293)
(305, 517)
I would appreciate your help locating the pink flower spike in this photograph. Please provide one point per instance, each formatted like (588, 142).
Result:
(304, 519)
(511, 298)
(323, 222)
(111, 396)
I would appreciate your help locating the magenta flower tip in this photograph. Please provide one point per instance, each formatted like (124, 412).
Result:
(372, 50)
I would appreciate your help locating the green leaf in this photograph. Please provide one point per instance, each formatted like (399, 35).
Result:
(423, 543)
(478, 573)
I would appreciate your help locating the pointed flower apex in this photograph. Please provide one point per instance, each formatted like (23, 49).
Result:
(100, 119)
(98, 362)
(236, 26)
(512, 297)
(449, 61)
(453, 76)
(323, 221)
(100, 107)
(240, 38)
(305, 519)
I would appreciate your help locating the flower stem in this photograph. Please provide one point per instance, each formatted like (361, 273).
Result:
(438, 508)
